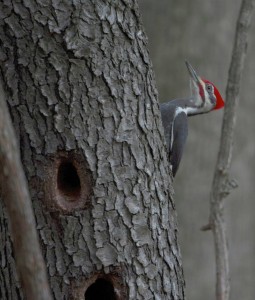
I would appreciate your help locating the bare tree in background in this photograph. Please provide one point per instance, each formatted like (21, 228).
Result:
(222, 184)
(177, 36)
(14, 190)
(82, 98)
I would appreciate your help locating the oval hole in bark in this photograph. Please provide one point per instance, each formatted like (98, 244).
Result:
(100, 289)
(68, 183)
(68, 180)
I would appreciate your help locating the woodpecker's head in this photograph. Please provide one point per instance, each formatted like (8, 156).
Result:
(206, 96)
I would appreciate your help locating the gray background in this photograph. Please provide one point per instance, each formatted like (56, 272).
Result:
(203, 32)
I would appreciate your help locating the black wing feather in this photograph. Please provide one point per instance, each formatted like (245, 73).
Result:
(180, 133)
(167, 114)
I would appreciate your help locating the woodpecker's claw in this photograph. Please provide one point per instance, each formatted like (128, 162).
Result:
(192, 72)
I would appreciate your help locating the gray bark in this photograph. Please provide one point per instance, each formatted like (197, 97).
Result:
(83, 101)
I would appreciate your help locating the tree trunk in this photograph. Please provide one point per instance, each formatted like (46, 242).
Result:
(82, 98)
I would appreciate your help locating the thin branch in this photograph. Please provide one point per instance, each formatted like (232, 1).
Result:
(14, 192)
(222, 185)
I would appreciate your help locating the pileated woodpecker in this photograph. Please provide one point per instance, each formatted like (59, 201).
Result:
(205, 97)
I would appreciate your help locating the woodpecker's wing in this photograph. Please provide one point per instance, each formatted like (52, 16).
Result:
(180, 133)
(167, 110)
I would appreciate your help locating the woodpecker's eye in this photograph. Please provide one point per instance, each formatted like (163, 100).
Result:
(209, 87)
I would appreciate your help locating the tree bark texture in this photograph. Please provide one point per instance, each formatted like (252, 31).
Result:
(83, 102)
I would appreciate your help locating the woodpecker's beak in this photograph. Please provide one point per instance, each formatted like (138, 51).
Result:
(192, 73)
(196, 85)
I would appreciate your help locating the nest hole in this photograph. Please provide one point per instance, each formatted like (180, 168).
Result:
(68, 180)
(101, 289)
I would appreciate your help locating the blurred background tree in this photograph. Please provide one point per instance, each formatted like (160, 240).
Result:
(203, 32)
